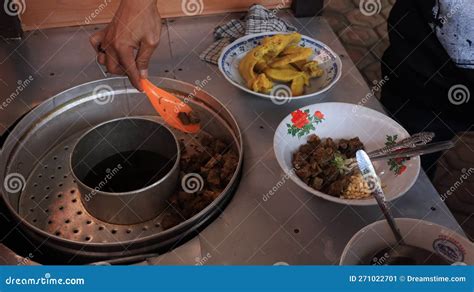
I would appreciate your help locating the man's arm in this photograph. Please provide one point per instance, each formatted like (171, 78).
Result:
(135, 26)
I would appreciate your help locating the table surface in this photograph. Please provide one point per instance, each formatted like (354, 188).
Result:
(293, 226)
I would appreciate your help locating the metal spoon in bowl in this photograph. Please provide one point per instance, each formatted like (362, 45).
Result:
(351, 164)
(418, 139)
(401, 253)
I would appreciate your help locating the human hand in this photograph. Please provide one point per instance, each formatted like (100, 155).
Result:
(135, 26)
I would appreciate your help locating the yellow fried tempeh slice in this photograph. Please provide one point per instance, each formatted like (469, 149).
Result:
(277, 43)
(262, 84)
(283, 75)
(302, 54)
(292, 50)
(247, 64)
(297, 85)
(312, 68)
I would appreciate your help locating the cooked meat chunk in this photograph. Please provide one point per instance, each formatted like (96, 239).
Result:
(304, 172)
(306, 148)
(315, 169)
(317, 183)
(188, 119)
(171, 219)
(205, 140)
(354, 145)
(219, 147)
(331, 173)
(336, 188)
(314, 140)
(299, 159)
(214, 177)
(315, 163)
(228, 168)
(215, 161)
(329, 143)
(343, 145)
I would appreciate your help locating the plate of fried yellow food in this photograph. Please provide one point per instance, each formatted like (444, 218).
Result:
(280, 66)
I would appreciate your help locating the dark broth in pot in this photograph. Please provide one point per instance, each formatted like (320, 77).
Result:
(128, 171)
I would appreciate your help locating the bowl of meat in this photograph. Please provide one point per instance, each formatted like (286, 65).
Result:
(313, 143)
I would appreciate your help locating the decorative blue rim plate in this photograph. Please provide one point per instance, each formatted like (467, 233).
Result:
(327, 58)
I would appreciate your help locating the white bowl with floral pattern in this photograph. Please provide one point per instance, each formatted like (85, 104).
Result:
(344, 121)
(329, 61)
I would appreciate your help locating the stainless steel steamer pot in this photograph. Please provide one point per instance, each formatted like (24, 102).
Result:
(46, 203)
(122, 138)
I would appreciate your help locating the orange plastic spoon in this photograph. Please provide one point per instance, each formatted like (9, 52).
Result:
(169, 106)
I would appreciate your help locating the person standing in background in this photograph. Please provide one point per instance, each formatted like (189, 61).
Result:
(430, 67)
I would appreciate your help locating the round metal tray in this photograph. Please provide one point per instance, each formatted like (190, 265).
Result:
(48, 206)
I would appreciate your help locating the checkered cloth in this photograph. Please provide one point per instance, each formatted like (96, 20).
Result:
(259, 19)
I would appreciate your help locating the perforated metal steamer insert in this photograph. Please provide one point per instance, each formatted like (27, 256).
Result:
(51, 201)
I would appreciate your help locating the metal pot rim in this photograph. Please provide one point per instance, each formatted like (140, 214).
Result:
(175, 165)
(25, 124)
